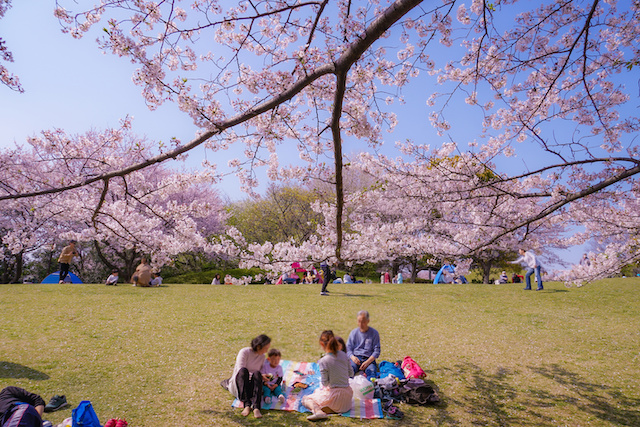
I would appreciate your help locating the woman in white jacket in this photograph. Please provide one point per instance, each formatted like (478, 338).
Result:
(246, 381)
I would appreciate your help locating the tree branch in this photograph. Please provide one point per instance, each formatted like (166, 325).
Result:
(568, 199)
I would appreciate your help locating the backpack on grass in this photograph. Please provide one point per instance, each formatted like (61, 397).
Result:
(417, 392)
(84, 416)
(411, 368)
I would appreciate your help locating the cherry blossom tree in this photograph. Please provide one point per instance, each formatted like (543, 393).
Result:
(155, 211)
(611, 220)
(313, 73)
(449, 207)
(410, 209)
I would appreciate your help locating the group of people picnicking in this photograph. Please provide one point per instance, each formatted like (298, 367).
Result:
(313, 275)
(142, 277)
(256, 377)
(504, 278)
(145, 277)
(527, 259)
(386, 278)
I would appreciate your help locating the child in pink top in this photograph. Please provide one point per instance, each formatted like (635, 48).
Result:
(272, 377)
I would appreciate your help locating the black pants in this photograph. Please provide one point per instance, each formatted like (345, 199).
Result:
(325, 282)
(64, 270)
(249, 388)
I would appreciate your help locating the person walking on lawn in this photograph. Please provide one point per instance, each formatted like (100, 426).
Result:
(326, 277)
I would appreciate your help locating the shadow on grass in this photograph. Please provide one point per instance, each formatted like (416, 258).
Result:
(601, 401)
(14, 370)
(491, 399)
(344, 294)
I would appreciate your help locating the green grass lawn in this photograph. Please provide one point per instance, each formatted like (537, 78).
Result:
(499, 355)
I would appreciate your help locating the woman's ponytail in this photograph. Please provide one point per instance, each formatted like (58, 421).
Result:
(329, 341)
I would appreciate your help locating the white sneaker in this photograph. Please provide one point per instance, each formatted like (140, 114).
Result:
(281, 398)
(324, 293)
(318, 416)
(267, 399)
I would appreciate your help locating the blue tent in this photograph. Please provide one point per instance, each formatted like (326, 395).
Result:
(55, 278)
(451, 269)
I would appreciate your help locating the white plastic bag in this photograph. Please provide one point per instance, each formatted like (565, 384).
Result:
(362, 387)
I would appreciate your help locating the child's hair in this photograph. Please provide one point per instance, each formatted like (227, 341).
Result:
(114, 271)
(329, 340)
(259, 342)
(274, 352)
(341, 343)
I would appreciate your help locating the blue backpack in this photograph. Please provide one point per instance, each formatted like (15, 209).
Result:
(84, 416)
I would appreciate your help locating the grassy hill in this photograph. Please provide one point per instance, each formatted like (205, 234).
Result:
(499, 355)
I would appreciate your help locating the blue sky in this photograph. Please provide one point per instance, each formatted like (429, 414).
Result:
(70, 83)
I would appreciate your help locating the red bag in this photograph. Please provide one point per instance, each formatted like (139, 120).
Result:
(411, 368)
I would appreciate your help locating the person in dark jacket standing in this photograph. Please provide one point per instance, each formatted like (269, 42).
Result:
(326, 277)
(18, 407)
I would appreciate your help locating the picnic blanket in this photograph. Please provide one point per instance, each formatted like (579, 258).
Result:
(308, 374)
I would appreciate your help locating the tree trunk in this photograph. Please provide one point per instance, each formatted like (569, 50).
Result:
(19, 264)
(5, 271)
(486, 271)
(103, 259)
(130, 265)
(50, 261)
(395, 266)
(414, 269)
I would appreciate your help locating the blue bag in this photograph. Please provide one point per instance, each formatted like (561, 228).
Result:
(388, 368)
(84, 416)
